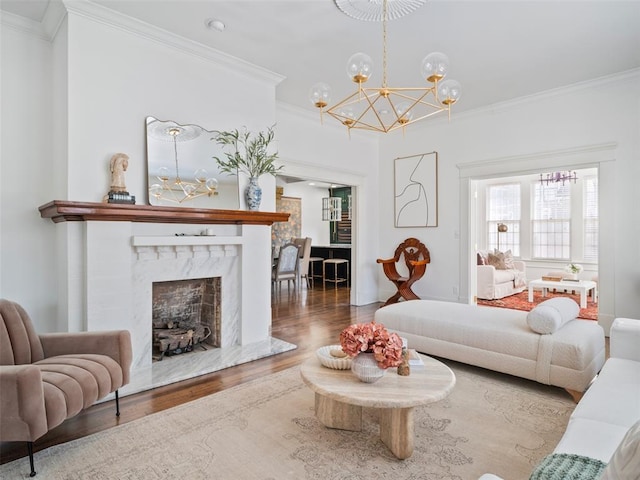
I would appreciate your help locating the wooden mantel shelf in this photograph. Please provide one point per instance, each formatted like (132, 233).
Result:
(67, 211)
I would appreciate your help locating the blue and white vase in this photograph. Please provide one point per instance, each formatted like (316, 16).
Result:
(253, 194)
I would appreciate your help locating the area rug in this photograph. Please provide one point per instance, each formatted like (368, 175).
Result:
(267, 430)
(520, 301)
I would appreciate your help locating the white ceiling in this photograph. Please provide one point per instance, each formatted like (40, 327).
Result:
(499, 50)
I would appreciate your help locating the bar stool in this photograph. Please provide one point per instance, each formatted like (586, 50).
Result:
(312, 275)
(336, 279)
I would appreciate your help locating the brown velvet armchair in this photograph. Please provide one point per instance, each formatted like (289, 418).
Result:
(45, 379)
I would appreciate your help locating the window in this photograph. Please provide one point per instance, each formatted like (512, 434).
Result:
(590, 215)
(503, 207)
(551, 220)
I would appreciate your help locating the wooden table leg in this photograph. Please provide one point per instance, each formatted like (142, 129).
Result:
(396, 430)
(335, 414)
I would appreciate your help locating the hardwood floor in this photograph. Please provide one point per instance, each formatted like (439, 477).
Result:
(310, 319)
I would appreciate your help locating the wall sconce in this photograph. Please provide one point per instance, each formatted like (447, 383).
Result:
(502, 228)
(332, 209)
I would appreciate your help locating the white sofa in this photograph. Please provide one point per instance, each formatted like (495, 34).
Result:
(493, 283)
(500, 339)
(609, 410)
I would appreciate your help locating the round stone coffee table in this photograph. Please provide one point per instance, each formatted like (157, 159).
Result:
(340, 396)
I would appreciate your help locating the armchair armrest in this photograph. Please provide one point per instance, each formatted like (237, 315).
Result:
(625, 339)
(486, 274)
(115, 344)
(520, 265)
(389, 269)
(23, 416)
(388, 260)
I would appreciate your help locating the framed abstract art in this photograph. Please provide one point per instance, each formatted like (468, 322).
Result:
(416, 191)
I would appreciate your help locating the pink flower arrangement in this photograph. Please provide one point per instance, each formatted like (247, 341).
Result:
(373, 338)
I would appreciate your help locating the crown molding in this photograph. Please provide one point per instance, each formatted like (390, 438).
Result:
(106, 16)
(582, 156)
(22, 24)
(45, 30)
(633, 74)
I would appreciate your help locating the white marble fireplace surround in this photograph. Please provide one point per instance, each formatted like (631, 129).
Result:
(122, 259)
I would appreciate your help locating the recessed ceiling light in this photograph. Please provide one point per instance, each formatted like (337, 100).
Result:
(215, 24)
(311, 184)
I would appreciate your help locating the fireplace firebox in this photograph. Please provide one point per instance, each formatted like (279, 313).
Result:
(186, 316)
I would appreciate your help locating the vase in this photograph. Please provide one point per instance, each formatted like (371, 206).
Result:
(365, 367)
(253, 194)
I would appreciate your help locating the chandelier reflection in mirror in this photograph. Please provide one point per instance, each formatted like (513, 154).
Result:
(385, 108)
(175, 188)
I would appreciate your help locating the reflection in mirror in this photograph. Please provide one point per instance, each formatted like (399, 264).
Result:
(181, 170)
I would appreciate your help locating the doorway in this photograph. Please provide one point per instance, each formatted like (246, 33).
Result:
(600, 157)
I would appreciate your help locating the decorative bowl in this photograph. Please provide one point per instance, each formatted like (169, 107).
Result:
(329, 361)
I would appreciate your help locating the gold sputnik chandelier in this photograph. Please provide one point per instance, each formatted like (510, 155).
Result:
(385, 108)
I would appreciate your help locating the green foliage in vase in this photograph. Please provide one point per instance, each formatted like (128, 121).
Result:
(246, 152)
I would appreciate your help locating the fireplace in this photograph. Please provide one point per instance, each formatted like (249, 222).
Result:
(114, 254)
(186, 316)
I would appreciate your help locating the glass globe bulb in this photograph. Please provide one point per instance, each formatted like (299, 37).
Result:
(189, 189)
(348, 116)
(320, 95)
(359, 67)
(405, 115)
(435, 66)
(211, 184)
(163, 174)
(201, 175)
(156, 190)
(449, 92)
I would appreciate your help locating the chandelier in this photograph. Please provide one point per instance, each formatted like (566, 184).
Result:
(557, 177)
(385, 108)
(176, 189)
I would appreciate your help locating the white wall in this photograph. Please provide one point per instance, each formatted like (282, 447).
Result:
(325, 152)
(27, 264)
(598, 113)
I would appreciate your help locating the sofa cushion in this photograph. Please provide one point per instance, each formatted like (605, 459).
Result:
(552, 314)
(625, 462)
(615, 397)
(591, 438)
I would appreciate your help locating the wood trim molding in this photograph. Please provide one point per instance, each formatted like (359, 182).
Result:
(67, 211)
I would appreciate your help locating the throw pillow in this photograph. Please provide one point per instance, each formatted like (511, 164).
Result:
(480, 259)
(564, 466)
(508, 260)
(552, 314)
(497, 260)
(625, 462)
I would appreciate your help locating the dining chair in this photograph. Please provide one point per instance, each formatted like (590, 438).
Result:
(286, 267)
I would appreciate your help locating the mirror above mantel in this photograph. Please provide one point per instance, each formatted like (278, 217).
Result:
(181, 170)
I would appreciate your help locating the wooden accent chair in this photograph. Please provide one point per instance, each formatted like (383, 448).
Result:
(47, 378)
(416, 258)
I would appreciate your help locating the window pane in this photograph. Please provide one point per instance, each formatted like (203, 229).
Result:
(551, 220)
(503, 207)
(590, 215)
